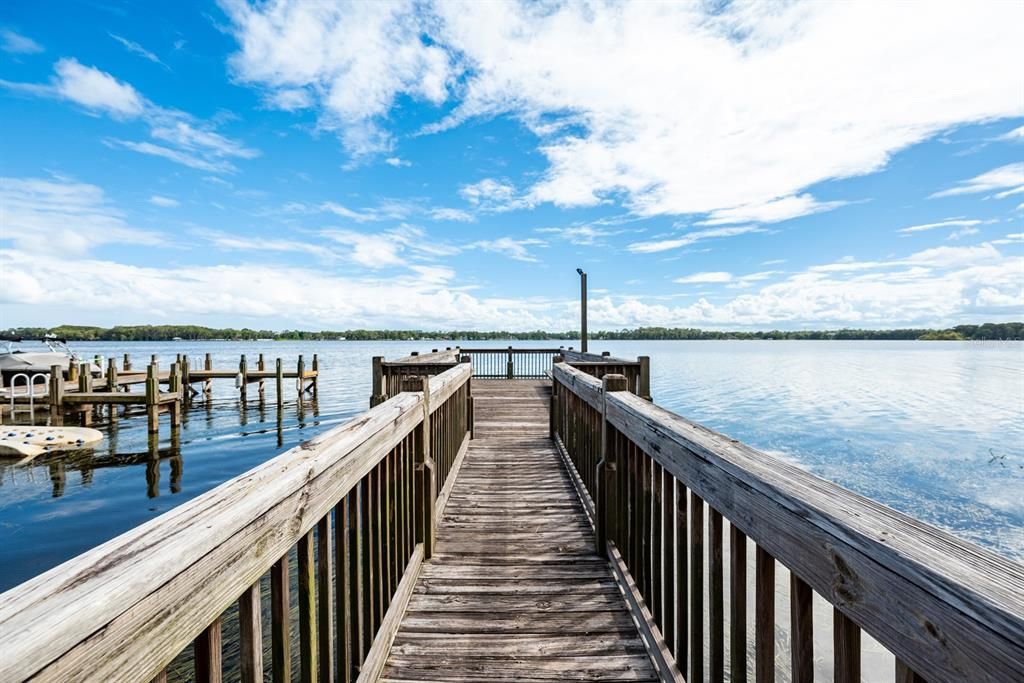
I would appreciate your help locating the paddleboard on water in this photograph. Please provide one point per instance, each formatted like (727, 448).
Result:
(27, 442)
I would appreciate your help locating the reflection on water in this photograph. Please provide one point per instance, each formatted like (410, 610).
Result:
(935, 429)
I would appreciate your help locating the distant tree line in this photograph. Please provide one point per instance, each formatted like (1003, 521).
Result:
(986, 331)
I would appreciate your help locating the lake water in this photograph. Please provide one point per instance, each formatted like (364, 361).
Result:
(934, 429)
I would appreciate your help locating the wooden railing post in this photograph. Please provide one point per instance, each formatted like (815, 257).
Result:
(469, 397)
(509, 367)
(426, 492)
(643, 387)
(553, 412)
(607, 466)
(377, 392)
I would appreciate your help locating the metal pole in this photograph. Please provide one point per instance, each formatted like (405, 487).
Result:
(583, 310)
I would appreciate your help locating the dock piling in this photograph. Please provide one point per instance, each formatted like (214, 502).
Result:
(152, 398)
(127, 363)
(243, 376)
(56, 395)
(261, 366)
(300, 370)
(280, 383)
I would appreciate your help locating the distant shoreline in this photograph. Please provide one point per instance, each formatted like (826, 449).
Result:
(1012, 331)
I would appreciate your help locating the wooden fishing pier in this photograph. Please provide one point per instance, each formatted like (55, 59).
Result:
(547, 523)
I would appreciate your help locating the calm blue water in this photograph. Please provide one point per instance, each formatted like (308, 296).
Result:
(935, 429)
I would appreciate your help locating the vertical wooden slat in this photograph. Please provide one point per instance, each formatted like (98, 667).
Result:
(343, 589)
(716, 598)
(657, 562)
(162, 676)
(764, 617)
(250, 635)
(325, 599)
(846, 642)
(206, 649)
(645, 526)
(904, 674)
(280, 632)
(801, 629)
(696, 587)
(380, 562)
(364, 578)
(668, 510)
(307, 609)
(682, 578)
(369, 559)
(737, 605)
(387, 560)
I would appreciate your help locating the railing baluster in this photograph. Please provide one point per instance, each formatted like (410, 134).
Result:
(846, 642)
(737, 605)
(307, 608)
(657, 565)
(904, 674)
(696, 587)
(716, 598)
(682, 578)
(764, 617)
(342, 590)
(207, 653)
(668, 512)
(250, 635)
(325, 598)
(365, 581)
(801, 629)
(281, 644)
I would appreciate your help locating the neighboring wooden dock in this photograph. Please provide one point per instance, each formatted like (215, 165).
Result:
(469, 529)
(79, 394)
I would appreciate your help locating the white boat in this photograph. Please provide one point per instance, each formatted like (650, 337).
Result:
(16, 359)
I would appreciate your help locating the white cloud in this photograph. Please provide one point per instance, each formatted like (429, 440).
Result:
(177, 156)
(442, 213)
(1016, 135)
(491, 194)
(97, 90)
(518, 250)
(191, 142)
(17, 44)
(950, 223)
(185, 135)
(290, 99)
(357, 57)
(582, 235)
(738, 109)
(774, 211)
(689, 238)
(137, 49)
(43, 215)
(165, 202)
(1008, 176)
(397, 162)
(704, 278)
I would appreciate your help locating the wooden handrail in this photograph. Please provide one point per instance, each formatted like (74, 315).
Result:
(125, 609)
(947, 609)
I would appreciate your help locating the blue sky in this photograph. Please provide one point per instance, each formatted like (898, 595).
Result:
(449, 165)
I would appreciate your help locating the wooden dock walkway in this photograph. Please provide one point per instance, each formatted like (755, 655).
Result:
(516, 590)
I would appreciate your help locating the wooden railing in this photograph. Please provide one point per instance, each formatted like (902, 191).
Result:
(356, 504)
(511, 363)
(391, 378)
(947, 609)
(637, 372)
